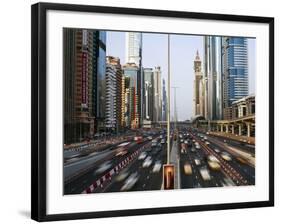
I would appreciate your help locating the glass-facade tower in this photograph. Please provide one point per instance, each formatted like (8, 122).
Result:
(214, 77)
(134, 48)
(235, 69)
(100, 76)
(131, 71)
(134, 55)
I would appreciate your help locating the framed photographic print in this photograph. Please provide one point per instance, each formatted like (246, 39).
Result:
(139, 111)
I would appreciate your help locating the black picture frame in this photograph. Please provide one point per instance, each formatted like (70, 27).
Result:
(38, 109)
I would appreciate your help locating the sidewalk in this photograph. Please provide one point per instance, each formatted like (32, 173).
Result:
(175, 161)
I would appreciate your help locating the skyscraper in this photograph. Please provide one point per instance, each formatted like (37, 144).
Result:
(113, 94)
(134, 55)
(157, 94)
(235, 70)
(198, 100)
(126, 117)
(148, 94)
(219, 78)
(213, 77)
(164, 97)
(99, 63)
(110, 98)
(123, 124)
(134, 48)
(130, 71)
(80, 77)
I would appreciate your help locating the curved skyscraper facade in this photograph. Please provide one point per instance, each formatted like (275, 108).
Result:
(214, 78)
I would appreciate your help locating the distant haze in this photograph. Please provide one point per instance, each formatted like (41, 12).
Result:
(183, 50)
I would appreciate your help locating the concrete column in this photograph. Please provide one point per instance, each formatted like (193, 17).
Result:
(232, 129)
(248, 129)
(221, 127)
(218, 128)
(240, 129)
(226, 128)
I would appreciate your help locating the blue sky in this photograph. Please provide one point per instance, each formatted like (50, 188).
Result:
(183, 50)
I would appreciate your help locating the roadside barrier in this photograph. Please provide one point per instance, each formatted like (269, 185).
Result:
(101, 182)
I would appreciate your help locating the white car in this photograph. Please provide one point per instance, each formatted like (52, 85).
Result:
(130, 182)
(153, 144)
(217, 150)
(197, 146)
(212, 158)
(226, 156)
(147, 162)
(103, 167)
(197, 162)
(157, 167)
(142, 156)
(205, 174)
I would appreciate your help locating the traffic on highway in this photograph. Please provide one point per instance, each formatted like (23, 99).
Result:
(136, 163)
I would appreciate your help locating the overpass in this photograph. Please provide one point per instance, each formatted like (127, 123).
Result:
(242, 126)
(163, 124)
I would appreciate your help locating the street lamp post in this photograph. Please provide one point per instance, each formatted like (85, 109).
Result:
(168, 104)
(175, 109)
(168, 169)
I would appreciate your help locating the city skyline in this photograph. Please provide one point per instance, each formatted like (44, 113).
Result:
(116, 136)
(183, 52)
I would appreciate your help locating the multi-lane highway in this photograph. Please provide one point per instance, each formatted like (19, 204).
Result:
(215, 162)
(136, 164)
(207, 161)
(145, 173)
(141, 167)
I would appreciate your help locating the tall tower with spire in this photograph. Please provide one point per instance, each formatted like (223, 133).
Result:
(198, 90)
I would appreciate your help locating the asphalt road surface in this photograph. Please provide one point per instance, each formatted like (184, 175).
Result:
(204, 161)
